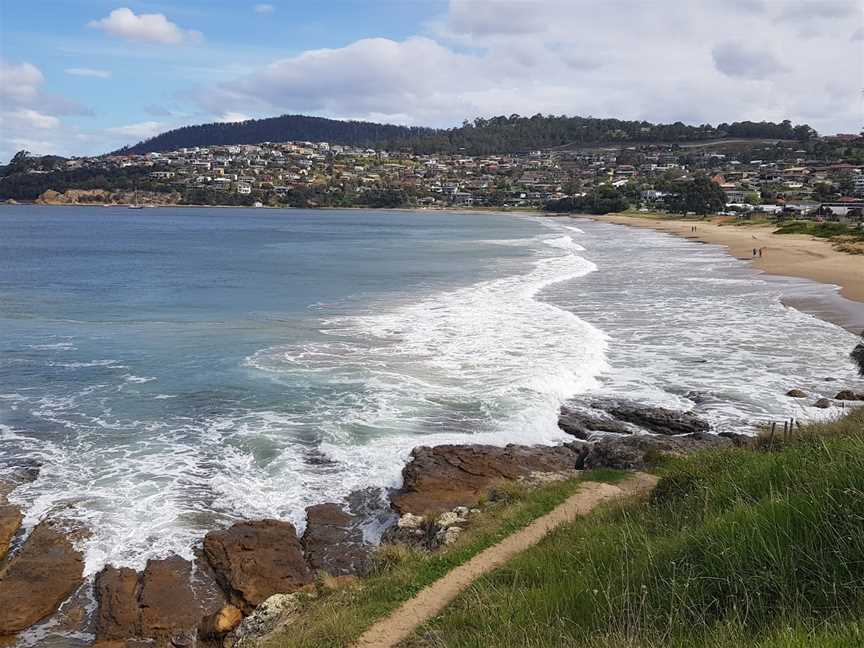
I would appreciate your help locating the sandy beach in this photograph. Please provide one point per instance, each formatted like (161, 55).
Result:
(790, 255)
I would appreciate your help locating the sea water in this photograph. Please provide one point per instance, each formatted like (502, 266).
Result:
(174, 370)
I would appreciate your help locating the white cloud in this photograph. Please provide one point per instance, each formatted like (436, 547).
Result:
(264, 8)
(232, 117)
(662, 61)
(19, 82)
(152, 28)
(139, 131)
(27, 118)
(89, 72)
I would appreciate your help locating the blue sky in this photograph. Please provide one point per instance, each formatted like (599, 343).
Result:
(82, 77)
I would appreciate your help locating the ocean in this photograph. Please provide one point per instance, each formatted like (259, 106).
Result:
(174, 370)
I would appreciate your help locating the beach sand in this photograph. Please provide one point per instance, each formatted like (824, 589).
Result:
(790, 255)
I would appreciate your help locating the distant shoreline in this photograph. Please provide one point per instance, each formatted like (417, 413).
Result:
(786, 255)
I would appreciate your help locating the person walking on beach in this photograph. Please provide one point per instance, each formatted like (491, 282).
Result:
(754, 253)
(760, 253)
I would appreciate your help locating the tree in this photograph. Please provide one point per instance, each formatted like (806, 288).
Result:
(700, 195)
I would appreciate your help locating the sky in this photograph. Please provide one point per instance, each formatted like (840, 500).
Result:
(85, 77)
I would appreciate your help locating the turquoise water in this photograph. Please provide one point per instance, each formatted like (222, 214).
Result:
(173, 370)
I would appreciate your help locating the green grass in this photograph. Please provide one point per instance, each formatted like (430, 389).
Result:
(746, 547)
(337, 618)
(821, 230)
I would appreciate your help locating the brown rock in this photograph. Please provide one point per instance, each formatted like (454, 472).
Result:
(823, 403)
(849, 395)
(444, 477)
(117, 616)
(157, 603)
(10, 522)
(220, 622)
(796, 393)
(333, 541)
(39, 578)
(254, 560)
(165, 598)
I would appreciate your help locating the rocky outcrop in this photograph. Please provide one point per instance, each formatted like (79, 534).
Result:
(582, 423)
(274, 611)
(444, 477)
(858, 356)
(220, 622)
(158, 603)
(796, 393)
(44, 573)
(608, 415)
(333, 541)
(642, 451)
(10, 522)
(848, 395)
(823, 403)
(254, 560)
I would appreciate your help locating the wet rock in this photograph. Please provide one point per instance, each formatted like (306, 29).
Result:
(610, 415)
(698, 397)
(642, 451)
(796, 393)
(117, 613)
(254, 560)
(583, 423)
(858, 356)
(167, 604)
(823, 403)
(333, 541)
(10, 522)
(42, 575)
(157, 603)
(658, 420)
(220, 622)
(848, 395)
(441, 478)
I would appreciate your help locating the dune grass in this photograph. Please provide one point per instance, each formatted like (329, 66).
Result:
(821, 230)
(335, 619)
(747, 547)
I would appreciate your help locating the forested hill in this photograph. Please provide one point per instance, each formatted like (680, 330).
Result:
(515, 134)
(502, 134)
(279, 129)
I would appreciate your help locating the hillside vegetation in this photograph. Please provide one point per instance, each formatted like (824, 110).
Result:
(749, 547)
(501, 134)
(736, 548)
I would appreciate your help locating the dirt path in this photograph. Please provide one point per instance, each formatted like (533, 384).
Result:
(432, 600)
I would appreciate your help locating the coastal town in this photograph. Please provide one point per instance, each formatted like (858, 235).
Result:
(767, 177)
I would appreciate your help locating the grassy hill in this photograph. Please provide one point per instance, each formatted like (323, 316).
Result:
(749, 547)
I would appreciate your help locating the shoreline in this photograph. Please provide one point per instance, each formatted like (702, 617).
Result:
(784, 255)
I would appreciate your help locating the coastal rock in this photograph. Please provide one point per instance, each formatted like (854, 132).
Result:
(796, 393)
(273, 611)
(157, 603)
(582, 423)
(738, 440)
(858, 356)
(611, 415)
(10, 522)
(220, 622)
(333, 541)
(441, 478)
(117, 612)
(254, 560)
(823, 403)
(42, 575)
(641, 451)
(849, 395)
